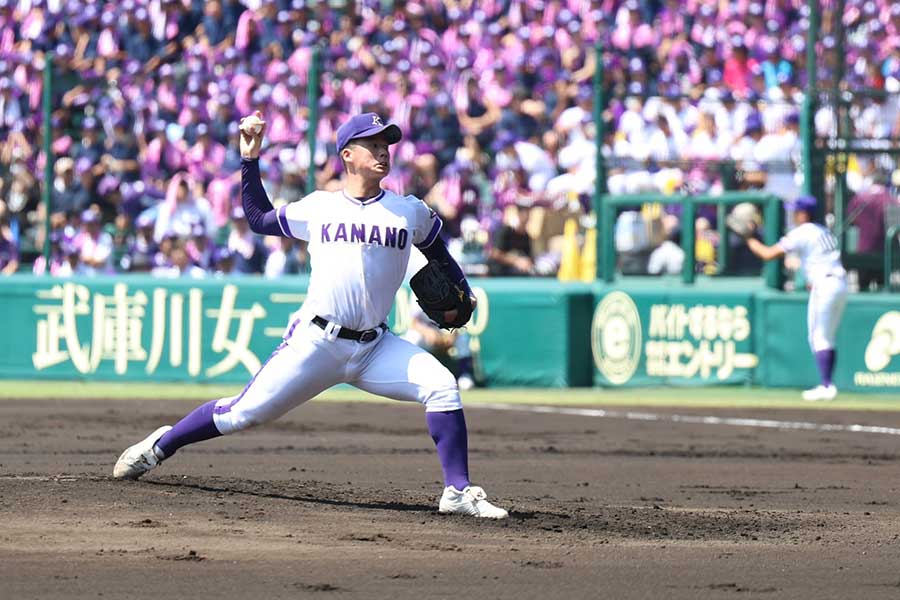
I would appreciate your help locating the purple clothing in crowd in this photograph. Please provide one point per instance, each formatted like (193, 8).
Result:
(456, 79)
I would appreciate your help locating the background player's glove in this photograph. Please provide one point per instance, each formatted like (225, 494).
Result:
(436, 293)
(744, 219)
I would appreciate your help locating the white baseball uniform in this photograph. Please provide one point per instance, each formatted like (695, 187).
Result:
(359, 252)
(821, 263)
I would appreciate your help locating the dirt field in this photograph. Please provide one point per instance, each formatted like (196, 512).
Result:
(339, 501)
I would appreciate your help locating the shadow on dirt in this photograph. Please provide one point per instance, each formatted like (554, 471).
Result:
(550, 516)
(303, 492)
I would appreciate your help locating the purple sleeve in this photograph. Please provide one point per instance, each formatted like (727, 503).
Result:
(437, 250)
(260, 214)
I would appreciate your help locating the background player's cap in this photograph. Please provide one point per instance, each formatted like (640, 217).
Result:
(801, 203)
(366, 125)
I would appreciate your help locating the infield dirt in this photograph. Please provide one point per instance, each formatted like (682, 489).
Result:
(338, 500)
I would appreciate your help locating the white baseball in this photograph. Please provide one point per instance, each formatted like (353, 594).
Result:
(252, 124)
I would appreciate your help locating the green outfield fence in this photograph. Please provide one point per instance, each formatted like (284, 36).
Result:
(525, 332)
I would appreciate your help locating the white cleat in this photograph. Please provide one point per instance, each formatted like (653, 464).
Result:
(470, 501)
(820, 392)
(140, 458)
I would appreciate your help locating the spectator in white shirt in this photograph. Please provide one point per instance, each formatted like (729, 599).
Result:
(94, 245)
(181, 210)
(668, 257)
(779, 154)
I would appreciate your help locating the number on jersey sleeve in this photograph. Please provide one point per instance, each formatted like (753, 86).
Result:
(827, 241)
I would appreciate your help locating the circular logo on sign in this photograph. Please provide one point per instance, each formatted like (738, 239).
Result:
(616, 337)
(885, 341)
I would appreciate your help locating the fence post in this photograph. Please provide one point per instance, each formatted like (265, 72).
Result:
(688, 240)
(807, 130)
(312, 95)
(889, 255)
(600, 165)
(774, 216)
(606, 240)
(46, 195)
(722, 228)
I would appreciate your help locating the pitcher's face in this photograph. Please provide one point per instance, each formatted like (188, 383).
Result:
(368, 156)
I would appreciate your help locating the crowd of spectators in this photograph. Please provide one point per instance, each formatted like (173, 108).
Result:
(494, 98)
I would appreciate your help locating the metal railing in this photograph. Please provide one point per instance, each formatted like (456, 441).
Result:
(889, 239)
(773, 225)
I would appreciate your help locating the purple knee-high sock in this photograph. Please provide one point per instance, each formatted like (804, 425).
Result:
(448, 430)
(197, 426)
(825, 362)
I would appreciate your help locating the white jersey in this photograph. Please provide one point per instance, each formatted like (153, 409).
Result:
(358, 250)
(818, 251)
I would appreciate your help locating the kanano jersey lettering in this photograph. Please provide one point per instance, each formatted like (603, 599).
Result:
(359, 251)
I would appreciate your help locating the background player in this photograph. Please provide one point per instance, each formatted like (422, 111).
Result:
(452, 348)
(821, 263)
(359, 246)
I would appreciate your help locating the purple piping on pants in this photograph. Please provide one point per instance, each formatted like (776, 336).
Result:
(219, 410)
(290, 331)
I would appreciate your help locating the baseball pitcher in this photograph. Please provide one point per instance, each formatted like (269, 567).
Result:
(360, 240)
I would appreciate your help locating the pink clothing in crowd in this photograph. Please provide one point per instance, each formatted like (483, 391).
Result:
(219, 195)
(204, 161)
(246, 23)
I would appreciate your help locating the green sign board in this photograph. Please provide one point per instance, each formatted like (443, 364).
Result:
(698, 336)
(679, 337)
(525, 332)
(143, 328)
(868, 343)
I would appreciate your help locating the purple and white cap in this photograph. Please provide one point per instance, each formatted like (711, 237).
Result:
(366, 125)
(807, 203)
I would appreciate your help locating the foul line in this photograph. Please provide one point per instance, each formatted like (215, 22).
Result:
(693, 420)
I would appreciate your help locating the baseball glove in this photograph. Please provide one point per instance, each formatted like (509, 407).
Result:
(744, 219)
(436, 293)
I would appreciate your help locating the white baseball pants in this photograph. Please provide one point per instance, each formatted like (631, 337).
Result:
(308, 362)
(827, 300)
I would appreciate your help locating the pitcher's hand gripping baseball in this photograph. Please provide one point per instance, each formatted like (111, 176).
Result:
(253, 128)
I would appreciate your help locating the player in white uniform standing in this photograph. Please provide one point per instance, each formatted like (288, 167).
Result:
(821, 263)
(359, 245)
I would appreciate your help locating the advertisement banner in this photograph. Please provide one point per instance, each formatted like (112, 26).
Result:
(146, 329)
(528, 333)
(679, 337)
(525, 332)
(868, 343)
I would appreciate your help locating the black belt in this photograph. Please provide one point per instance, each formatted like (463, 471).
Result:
(365, 337)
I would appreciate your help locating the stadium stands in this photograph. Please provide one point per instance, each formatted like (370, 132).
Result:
(494, 99)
